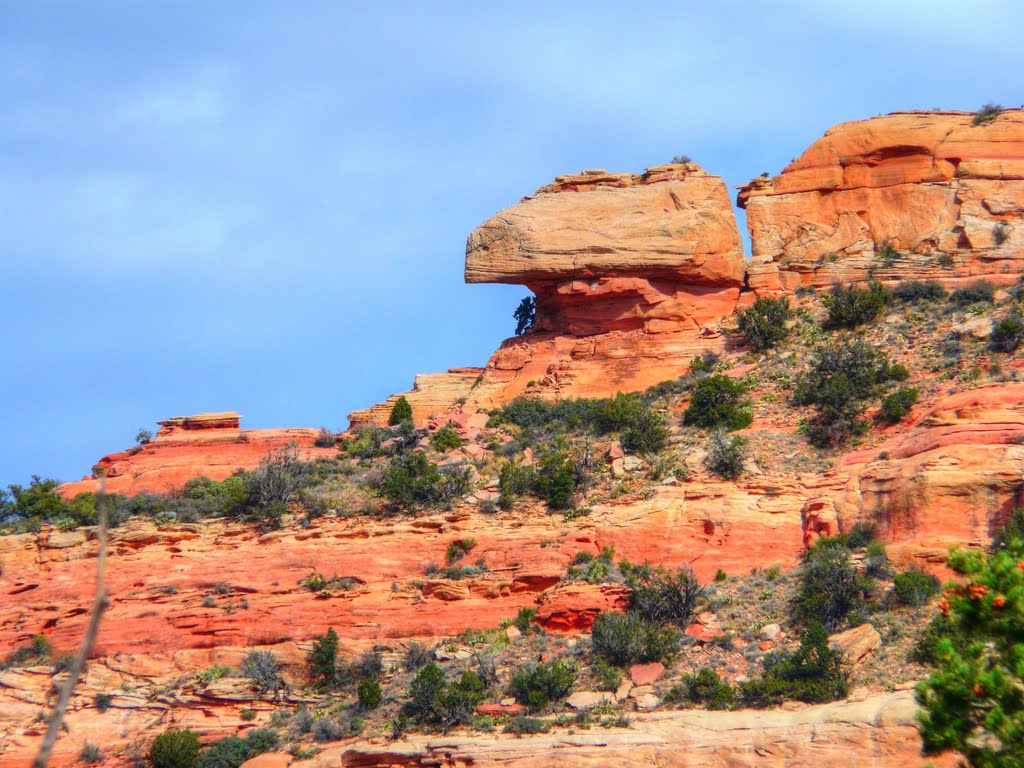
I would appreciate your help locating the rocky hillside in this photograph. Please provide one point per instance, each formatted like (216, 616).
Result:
(522, 502)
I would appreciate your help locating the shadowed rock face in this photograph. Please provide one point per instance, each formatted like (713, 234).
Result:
(947, 195)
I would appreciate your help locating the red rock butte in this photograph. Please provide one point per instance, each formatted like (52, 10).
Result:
(185, 447)
(636, 274)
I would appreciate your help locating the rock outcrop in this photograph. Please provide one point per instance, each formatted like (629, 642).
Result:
(431, 394)
(186, 447)
(951, 480)
(632, 277)
(878, 731)
(910, 195)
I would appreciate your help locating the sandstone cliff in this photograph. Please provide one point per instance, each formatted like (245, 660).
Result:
(634, 275)
(907, 195)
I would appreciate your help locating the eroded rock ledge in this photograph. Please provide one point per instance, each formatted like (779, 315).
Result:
(877, 731)
(946, 195)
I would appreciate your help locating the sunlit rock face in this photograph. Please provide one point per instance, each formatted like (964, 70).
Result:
(633, 275)
(911, 195)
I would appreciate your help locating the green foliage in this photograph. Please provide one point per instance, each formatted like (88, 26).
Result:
(143, 436)
(368, 665)
(436, 700)
(369, 694)
(1012, 530)
(973, 702)
(416, 655)
(705, 362)
(524, 619)
(175, 749)
(514, 481)
(829, 585)
(537, 686)
(986, 114)
(458, 549)
(446, 439)
(262, 669)
(981, 292)
(851, 306)
(608, 677)
(721, 575)
(91, 753)
(641, 427)
(36, 502)
(912, 291)
(876, 560)
(555, 479)
(814, 673)
(914, 587)
(764, 322)
(940, 628)
(36, 652)
(411, 479)
(269, 488)
(626, 639)
(322, 660)
(1001, 232)
(593, 570)
(401, 412)
(706, 688)
(681, 159)
(659, 594)
(898, 404)
(525, 315)
(102, 702)
(232, 751)
(1007, 334)
(726, 454)
(841, 377)
(522, 725)
(718, 402)
(325, 438)
(368, 442)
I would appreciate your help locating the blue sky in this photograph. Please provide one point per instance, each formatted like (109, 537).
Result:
(263, 206)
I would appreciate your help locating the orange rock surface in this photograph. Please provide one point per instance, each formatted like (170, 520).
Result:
(878, 731)
(946, 194)
(431, 394)
(185, 447)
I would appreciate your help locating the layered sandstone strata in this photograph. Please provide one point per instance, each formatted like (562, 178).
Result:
(186, 447)
(910, 195)
(878, 731)
(632, 275)
(431, 394)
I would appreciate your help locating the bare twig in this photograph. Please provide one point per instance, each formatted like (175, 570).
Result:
(56, 719)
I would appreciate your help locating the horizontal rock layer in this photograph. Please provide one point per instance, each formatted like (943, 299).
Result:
(672, 222)
(187, 447)
(879, 731)
(431, 394)
(947, 195)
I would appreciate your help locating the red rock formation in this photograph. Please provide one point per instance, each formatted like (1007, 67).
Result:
(878, 731)
(431, 394)
(947, 195)
(632, 276)
(185, 447)
(952, 479)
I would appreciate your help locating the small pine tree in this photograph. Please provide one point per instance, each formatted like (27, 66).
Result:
(323, 658)
(401, 412)
(525, 315)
